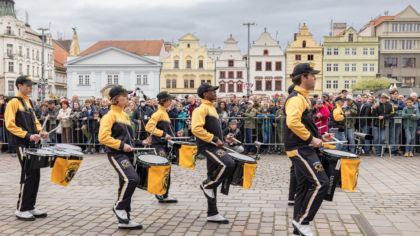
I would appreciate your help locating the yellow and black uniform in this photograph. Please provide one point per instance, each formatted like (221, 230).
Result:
(115, 131)
(312, 181)
(159, 126)
(339, 118)
(207, 128)
(21, 123)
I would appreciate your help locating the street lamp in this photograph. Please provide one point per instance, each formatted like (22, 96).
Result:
(43, 83)
(248, 24)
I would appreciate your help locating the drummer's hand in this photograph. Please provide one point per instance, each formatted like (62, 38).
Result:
(229, 138)
(316, 142)
(327, 137)
(127, 148)
(168, 137)
(219, 143)
(44, 135)
(35, 138)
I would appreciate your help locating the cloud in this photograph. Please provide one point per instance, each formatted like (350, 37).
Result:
(211, 20)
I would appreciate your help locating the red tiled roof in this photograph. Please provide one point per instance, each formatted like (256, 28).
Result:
(380, 19)
(60, 54)
(139, 47)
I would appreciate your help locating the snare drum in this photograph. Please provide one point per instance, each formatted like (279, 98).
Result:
(153, 173)
(183, 154)
(66, 164)
(244, 171)
(64, 146)
(39, 158)
(332, 161)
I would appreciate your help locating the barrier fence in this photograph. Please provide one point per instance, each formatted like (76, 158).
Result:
(392, 133)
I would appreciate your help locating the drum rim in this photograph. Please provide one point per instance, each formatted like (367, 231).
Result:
(159, 164)
(331, 152)
(28, 151)
(253, 161)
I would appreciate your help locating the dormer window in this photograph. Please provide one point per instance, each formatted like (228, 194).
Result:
(304, 44)
(265, 52)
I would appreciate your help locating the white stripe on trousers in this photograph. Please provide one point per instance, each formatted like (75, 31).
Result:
(311, 200)
(221, 171)
(124, 188)
(22, 186)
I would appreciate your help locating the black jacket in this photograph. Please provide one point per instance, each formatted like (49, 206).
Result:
(384, 109)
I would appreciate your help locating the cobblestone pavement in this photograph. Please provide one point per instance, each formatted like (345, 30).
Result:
(387, 202)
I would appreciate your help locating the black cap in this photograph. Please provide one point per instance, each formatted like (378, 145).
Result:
(24, 79)
(117, 90)
(303, 68)
(205, 88)
(164, 96)
(338, 99)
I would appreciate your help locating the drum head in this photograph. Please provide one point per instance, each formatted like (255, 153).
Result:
(338, 153)
(67, 146)
(153, 159)
(61, 153)
(39, 152)
(241, 157)
(73, 152)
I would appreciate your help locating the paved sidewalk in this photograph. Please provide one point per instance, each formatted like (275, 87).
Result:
(387, 203)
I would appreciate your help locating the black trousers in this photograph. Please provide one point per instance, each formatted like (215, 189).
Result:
(128, 179)
(29, 183)
(219, 166)
(312, 184)
(162, 151)
(292, 183)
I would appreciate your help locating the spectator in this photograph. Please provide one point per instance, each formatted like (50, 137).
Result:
(365, 114)
(87, 128)
(395, 124)
(249, 126)
(350, 111)
(339, 122)
(103, 107)
(411, 115)
(322, 115)
(232, 130)
(51, 113)
(383, 111)
(65, 122)
(141, 116)
(223, 114)
(2, 130)
(327, 101)
(75, 116)
(266, 120)
(279, 125)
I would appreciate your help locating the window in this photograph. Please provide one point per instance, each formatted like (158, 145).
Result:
(192, 83)
(346, 67)
(372, 51)
(209, 81)
(350, 37)
(11, 85)
(335, 51)
(328, 67)
(33, 70)
(231, 74)
(353, 67)
(409, 62)
(353, 51)
(328, 51)
(409, 81)
(142, 79)
(231, 63)
(173, 83)
(11, 69)
(310, 57)
(304, 44)
(328, 84)
(258, 85)
(258, 66)
(239, 88)
(33, 54)
(335, 67)
(185, 83)
(298, 57)
(9, 50)
(222, 74)
(27, 69)
(200, 64)
(372, 67)
(265, 52)
(8, 30)
(347, 51)
(188, 45)
(112, 79)
(27, 53)
(37, 55)
(346, 84)
(37, 71)
(176, 64)
(84, 80)
(268, 85)
(231, 87)
(168, 83)
(20, 69)
(391, 62)
(268, 66)
(335, 84)
(365, 51)
(239, 74)
(188, 64)
(20, 51)
(278, 66)
(365, 67)
(277, 84)
(222, 87)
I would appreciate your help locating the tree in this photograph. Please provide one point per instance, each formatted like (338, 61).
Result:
(372, 84)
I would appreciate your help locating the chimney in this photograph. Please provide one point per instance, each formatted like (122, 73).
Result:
(338, 28)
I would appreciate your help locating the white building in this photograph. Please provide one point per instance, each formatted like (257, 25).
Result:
(231, 70)
(132, 64)
(21, 52)
(267, 66)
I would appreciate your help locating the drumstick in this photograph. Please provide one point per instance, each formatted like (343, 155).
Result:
(45, 122)
(58, 126)
(335, 142)
(226, 148)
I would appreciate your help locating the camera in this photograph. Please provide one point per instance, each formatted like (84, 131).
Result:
(363, 136)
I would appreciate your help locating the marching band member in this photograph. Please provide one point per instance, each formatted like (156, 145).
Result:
(207, 128)
(115, 133)
(24, 131)
(160, 127)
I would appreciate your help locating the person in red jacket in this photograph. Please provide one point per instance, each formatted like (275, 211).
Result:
(322, 115)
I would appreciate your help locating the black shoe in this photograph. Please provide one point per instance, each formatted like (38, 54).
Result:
(219, 219)
(291, 203)
(166, 199)
(130, 225)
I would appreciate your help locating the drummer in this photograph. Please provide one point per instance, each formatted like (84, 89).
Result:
(301, 141)
(207, 128)
(115, 134)
(24, 132)
(160, 127)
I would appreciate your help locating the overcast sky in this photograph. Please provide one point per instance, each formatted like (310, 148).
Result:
(210, 20)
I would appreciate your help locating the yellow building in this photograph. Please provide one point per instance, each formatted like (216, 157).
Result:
(187, 67)
(304, 49)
